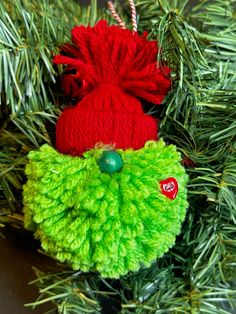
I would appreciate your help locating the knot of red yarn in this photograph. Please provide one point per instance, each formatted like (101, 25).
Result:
(113, 70)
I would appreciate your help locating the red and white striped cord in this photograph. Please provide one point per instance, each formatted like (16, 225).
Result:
(133, 15)
(115, 15)
(119, 20)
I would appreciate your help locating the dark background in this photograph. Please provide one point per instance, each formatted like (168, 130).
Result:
(17, 256)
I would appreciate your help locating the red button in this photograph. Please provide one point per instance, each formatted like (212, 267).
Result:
(169, 187)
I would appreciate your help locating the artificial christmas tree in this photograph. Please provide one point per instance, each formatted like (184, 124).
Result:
(198, 116)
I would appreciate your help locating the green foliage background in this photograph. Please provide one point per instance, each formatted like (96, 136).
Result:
(198, 116)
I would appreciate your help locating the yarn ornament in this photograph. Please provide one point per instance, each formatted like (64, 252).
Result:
(110, 197)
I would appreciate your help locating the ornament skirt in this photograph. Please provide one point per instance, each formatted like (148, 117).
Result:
(110, 223)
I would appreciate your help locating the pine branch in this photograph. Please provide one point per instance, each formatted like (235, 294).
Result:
(73, 292)
(181, 46)
(31, 32)
(196, 275)
(201, 122)
(28, 41)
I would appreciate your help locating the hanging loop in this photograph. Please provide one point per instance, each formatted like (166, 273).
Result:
(119, 21)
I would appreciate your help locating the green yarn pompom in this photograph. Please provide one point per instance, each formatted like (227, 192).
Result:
(110, 223)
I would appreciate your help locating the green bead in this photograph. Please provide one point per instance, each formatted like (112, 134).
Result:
(110, 162)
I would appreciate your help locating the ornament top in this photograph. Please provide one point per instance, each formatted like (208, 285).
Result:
(114, 69)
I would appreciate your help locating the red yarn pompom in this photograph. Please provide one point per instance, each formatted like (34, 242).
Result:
(116, 68)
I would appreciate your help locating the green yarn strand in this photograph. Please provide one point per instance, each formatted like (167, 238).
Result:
(110, 223)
